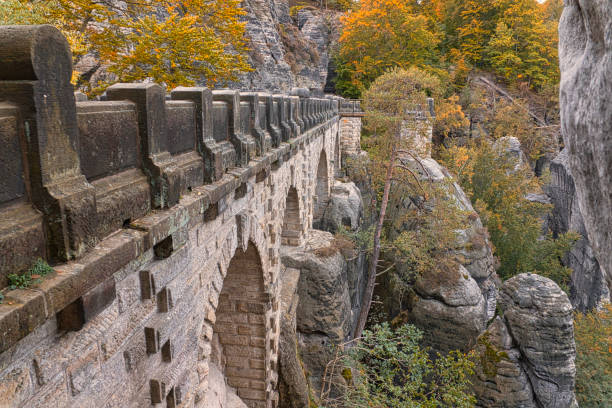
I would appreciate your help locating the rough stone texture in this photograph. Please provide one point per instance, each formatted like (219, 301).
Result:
(585, 54)
(511, 146)
(539, 316)
(326, 301)
(169, 269)
(448, 302)
(344, 208)
(350, 139)
(293, 385)
(325, 304)
(314, 29)
(500, 381)
(219, 393)
(589, 287)
(473, 250)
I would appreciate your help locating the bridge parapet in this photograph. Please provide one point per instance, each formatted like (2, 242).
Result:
(76, 171)
(145, 203)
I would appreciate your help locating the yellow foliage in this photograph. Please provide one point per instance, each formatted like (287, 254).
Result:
(172, 42)
(382, 34)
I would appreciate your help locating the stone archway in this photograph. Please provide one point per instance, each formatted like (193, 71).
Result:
(321, 190)
(239, 334)
(291, 234)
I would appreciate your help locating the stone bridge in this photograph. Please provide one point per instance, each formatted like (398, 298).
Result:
(163, 216)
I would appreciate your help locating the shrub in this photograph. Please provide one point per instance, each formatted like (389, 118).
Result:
(390, 369)
(593, 333)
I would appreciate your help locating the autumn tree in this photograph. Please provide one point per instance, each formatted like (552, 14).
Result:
(389, 105)
(382, 34)
(173, 42)
(523, 47)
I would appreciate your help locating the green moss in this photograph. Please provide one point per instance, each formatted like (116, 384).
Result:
(489, 360)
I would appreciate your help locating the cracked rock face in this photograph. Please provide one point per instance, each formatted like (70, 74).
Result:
(500, 380)
(526, 358)
(477, 262)
(321, 297)
(589, 286)
(266, 21)
(585, 56)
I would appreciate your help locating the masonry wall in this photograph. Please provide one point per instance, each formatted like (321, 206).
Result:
(141, 203)
(350, 134)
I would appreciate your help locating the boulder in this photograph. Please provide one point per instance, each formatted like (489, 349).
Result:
(293, 385)
(325, 305)
(344, 209)
(526, 358)
(539, 316)
(585, 60)
(472, 248)
(448, 306)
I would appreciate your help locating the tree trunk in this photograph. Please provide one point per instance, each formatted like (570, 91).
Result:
(369, 291)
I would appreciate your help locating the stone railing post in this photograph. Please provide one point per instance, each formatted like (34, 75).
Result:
(158, 164)
(211, 152)
(273, 120)
(243, 144)
(262, 137)
(284, 120)
(35, 72)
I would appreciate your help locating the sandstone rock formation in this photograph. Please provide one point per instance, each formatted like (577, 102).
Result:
(321, 298)
(500, 381)
(585, 54)
(344, 209)
(459, 301)
(589, 287)
(287, 52)
(512, 147)
(450, 309)
(528, 355)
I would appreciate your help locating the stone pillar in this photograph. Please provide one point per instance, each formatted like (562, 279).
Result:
(350, 135)
(35, 72)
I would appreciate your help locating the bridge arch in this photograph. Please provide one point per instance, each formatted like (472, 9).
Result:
(238, 346)
(292, 230)
(321, 189)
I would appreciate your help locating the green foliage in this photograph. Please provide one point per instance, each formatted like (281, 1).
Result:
(39, 269)
(19, 281)
(593, 333)
(390, 369)
(499, 192)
